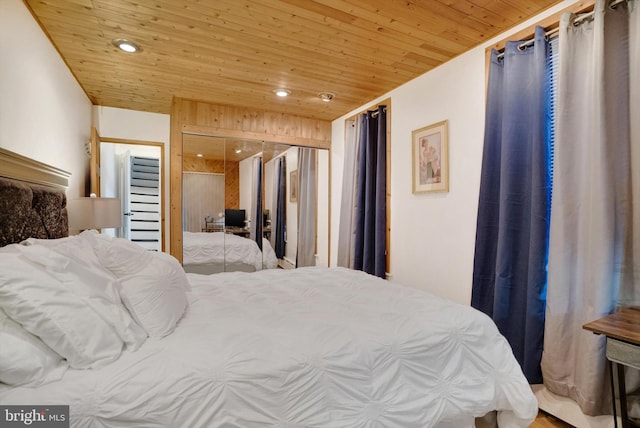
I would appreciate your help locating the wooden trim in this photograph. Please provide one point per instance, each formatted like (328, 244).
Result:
(95, 161)
(315, 250)
(131, 142)
(18, 167)
(162, 175)
(175, 178)
(548, 23)
(258, 136)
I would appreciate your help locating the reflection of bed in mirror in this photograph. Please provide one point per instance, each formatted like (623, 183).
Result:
(207, 253)
(244, 187)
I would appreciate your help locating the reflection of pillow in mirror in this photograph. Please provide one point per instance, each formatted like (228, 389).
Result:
(24, 359)
(269, 259)
(47, 308)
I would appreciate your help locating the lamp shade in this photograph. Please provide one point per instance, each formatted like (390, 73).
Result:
(94, 213)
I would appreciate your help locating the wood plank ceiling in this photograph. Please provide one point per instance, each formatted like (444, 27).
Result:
(238, 51)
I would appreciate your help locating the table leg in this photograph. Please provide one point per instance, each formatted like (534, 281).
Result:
(622, 391)
(613, 395)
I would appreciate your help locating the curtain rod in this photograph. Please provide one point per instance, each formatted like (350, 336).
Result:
(375, 112)
(549, 34)
(578, 20)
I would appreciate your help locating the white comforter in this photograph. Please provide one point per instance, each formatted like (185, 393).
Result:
(220, 247)
(311, 347)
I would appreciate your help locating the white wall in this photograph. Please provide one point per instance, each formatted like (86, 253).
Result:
(139, 126)
(109, 171)
(44, 113)
(246, 183)
(432, 235)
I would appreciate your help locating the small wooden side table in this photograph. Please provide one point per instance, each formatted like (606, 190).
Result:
(622, 330)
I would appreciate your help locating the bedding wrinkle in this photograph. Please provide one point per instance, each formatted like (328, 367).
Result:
(47, 308)
(96, 286)
(309, 347)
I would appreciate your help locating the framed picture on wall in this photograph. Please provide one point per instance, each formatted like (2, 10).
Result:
(293, 186)
(430, 148)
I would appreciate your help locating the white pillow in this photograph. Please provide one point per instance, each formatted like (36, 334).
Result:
(153, 301)
(75, 247)
(24, 359)
(95, 285)
(48, 242)
(47, 308)
(95, 239)
(152, 285)
(125, 258)
(177, 275)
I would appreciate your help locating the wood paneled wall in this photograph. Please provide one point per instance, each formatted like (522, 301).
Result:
(196, 117)
(196, 164)
(231, 176)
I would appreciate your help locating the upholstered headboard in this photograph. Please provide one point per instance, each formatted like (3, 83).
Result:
(32, 199)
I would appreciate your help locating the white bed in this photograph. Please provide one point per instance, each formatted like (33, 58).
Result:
(312, 347)
(215, 252)
(127, 339)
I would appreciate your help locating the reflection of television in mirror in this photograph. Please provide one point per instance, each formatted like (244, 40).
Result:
(234, 218)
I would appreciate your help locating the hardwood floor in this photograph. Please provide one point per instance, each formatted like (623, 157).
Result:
(547, 421)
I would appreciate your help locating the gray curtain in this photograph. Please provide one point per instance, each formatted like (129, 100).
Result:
(630, 293)
(255, 231)
(307, 207)
(202, 196)
(590, 207)
(346, 233)
(371, 193)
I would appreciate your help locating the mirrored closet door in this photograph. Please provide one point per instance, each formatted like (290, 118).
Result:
(251, 205)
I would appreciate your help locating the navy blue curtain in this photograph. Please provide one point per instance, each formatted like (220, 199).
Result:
(371, 190)
(281, 209)
(257, 215)
(512, 237)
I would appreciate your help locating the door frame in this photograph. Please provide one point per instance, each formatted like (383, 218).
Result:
(96, 139)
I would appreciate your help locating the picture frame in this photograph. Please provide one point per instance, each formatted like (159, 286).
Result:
(293, 186)
(430, 158)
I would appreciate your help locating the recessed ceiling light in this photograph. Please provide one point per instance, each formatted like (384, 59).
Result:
(125, 45)
(282, 92)
(326, 96)
(199, 155)
(238, 151)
